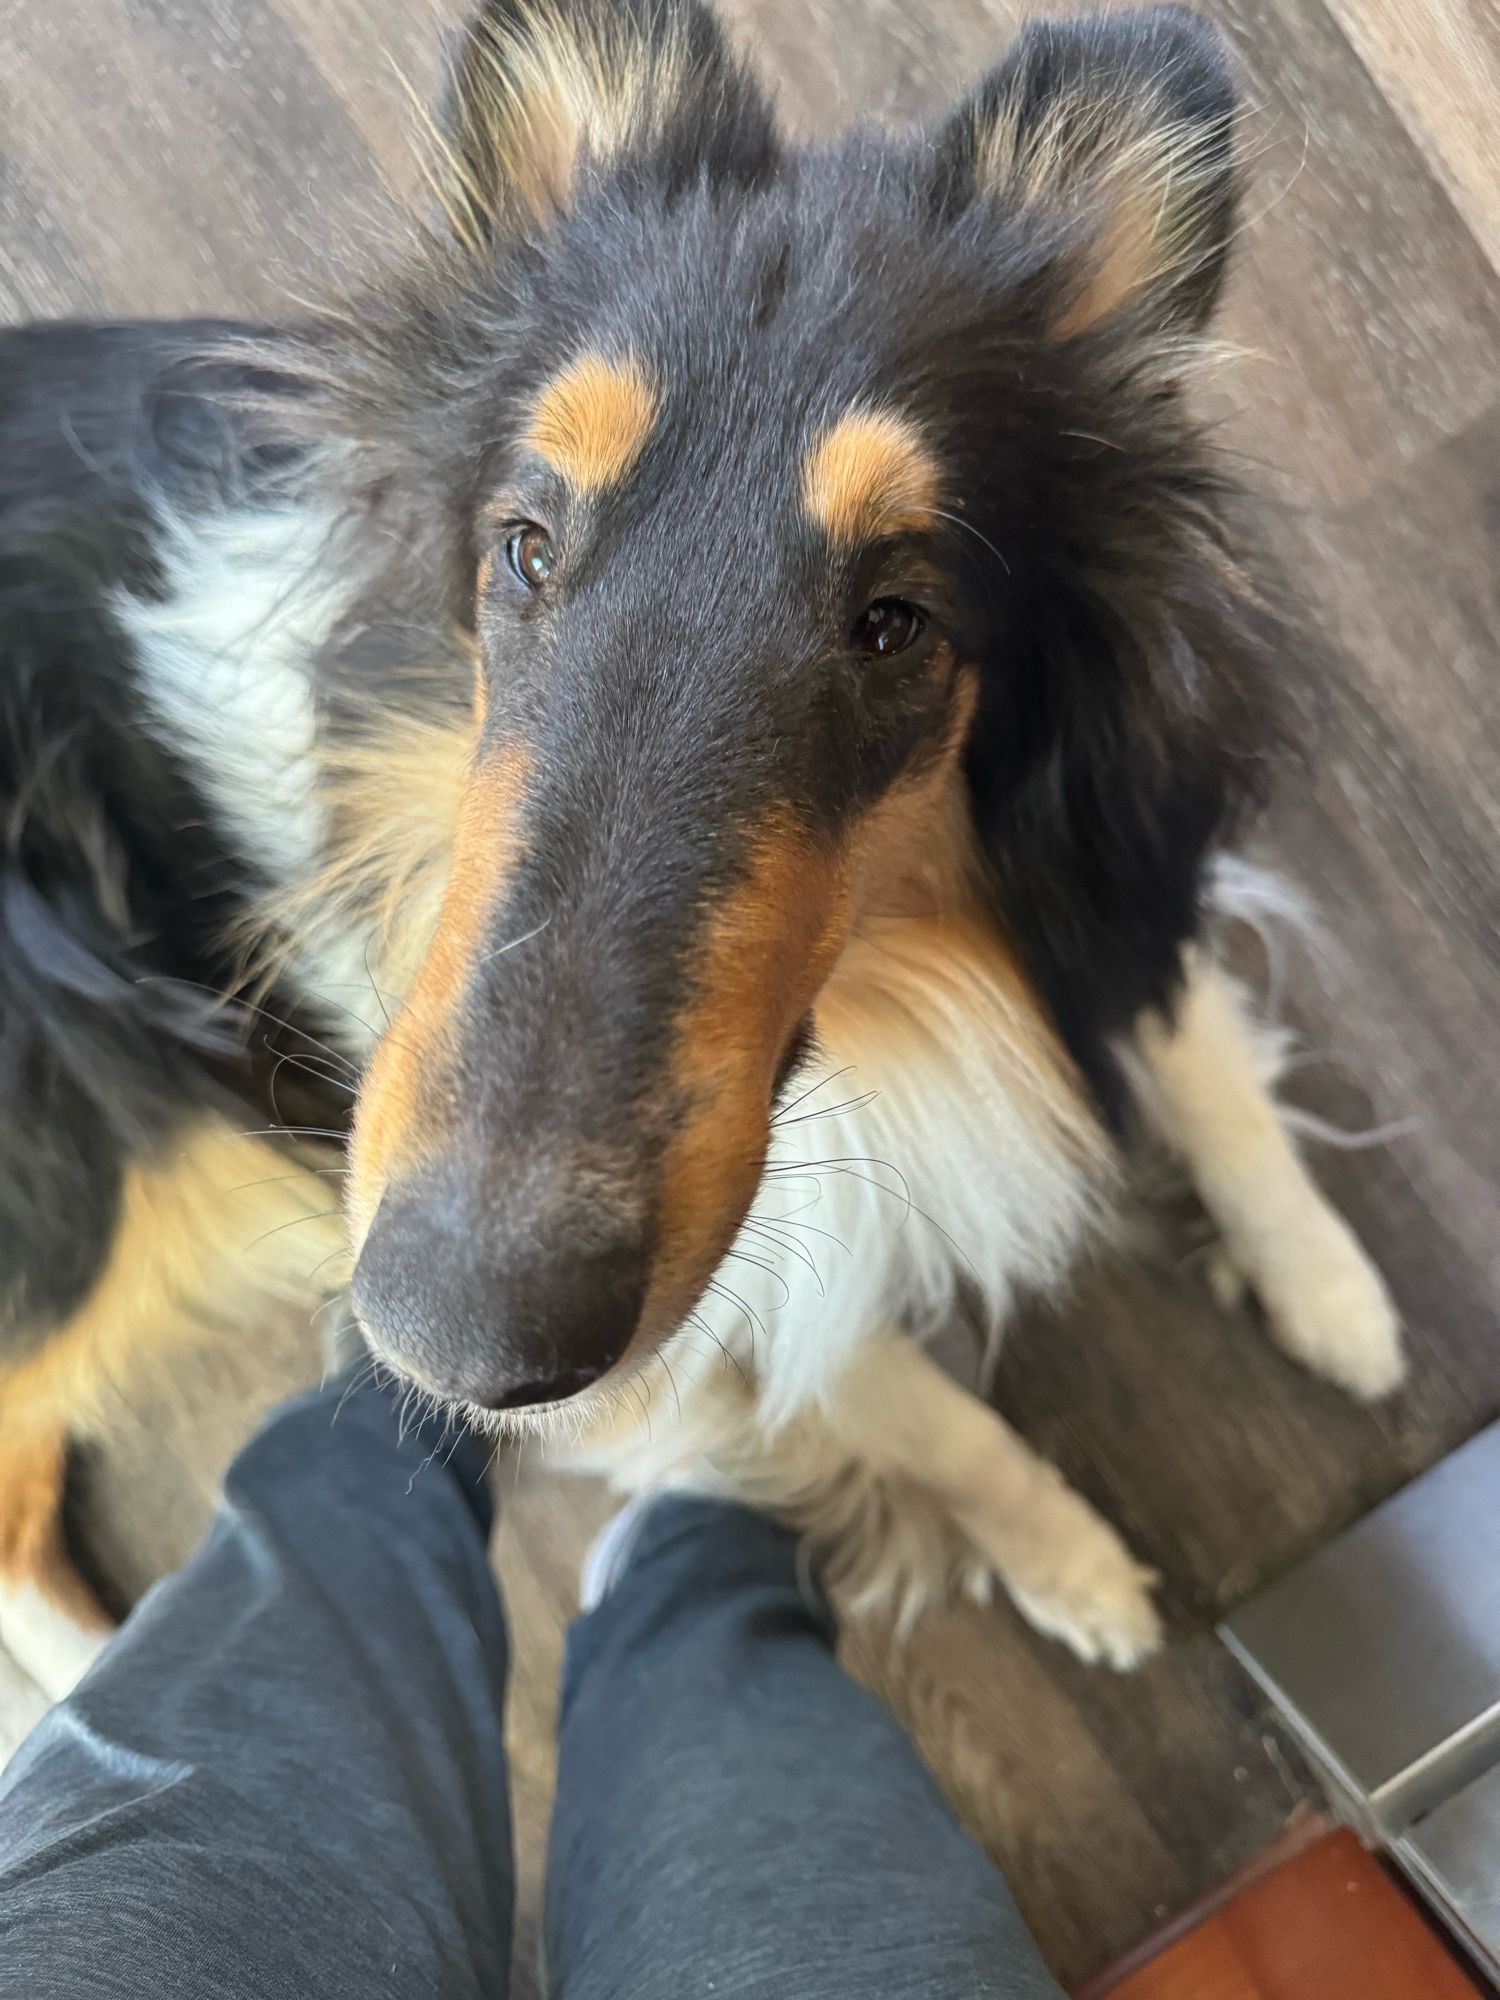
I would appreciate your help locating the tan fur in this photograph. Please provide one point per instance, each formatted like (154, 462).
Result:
(212, 1230)
(33, 1468)
(910, 1489)
(767, 948)
(915, 858)
(966, 944)
(1133, 178)
(399, 1117)
(212, 1222)
(869, 474)
(593, 420)
(393, 800)
(914, 854)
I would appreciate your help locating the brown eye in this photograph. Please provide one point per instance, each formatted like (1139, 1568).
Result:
(528, 550)
(889, 625)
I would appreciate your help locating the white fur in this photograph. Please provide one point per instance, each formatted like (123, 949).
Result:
(959, 1155)
(22, 1705)
(226, 658)
(1206, 1087)
(957, 1158)
(1065, 1567)
(909, 1488)
(44, 1642)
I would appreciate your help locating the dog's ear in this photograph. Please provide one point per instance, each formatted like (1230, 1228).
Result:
(1115, 130)
(539, 89)
(1126, 721)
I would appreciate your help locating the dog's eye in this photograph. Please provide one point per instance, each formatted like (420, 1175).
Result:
(889, 625)
(528, 550)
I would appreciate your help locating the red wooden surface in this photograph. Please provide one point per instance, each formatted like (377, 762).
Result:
(1329, 1924)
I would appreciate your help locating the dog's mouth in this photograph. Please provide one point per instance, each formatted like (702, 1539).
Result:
(566, 1414)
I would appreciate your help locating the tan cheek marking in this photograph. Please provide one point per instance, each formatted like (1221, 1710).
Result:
(919, 886)
(914, 852)
(593, 420)
(399, 1116)
(393, 799)
(769, 946)
(869, 475)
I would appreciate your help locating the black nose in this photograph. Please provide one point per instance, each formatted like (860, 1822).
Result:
(504, 1305)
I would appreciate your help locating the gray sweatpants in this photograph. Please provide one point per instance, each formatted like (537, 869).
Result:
(285, 1779)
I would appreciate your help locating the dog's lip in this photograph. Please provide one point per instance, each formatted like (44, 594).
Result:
(520, 1398)
(490, 1414)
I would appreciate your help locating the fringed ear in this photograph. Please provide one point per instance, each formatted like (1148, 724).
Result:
(1117, 129)
(1127, 724)
(541, 87)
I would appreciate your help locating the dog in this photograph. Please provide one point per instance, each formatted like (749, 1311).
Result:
(709, 703)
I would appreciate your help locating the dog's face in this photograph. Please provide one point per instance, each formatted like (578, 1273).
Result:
(767, 460)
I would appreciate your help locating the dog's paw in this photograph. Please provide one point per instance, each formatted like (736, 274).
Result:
(1073, 1579)
(1227, 1283)
(1110, 1621)
(1328, 1307)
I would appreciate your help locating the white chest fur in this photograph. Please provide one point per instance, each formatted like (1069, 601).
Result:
(226, 660)
(941, 1146)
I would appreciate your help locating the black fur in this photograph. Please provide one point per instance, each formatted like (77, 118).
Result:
(696, 669)
(117, 894)
(1103, 576)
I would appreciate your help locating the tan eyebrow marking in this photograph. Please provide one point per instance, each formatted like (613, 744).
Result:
(869, 474)
(592, 421)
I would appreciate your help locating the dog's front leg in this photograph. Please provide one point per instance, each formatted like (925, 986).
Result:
(1326, 1303)
(1066, 1568)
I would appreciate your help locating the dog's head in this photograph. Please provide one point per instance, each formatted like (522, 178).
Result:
(833, 533)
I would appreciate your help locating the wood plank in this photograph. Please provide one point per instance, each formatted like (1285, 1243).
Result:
(1204, 1967)
(1439, 68)
(200, 160)
(1378, 316)
(1331, 1923)
(380, 59)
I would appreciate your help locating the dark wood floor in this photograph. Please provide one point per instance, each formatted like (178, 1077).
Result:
(165, 156)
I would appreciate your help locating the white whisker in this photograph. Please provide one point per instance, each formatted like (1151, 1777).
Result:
(515, 943)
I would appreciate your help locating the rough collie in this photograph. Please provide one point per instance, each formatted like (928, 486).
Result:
(711, 695)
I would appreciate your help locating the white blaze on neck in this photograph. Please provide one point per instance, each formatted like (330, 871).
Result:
(226, 659)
